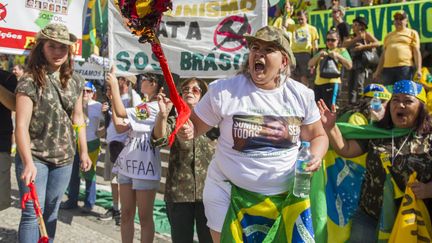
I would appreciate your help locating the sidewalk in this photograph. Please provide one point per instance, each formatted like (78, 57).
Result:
(72, 226)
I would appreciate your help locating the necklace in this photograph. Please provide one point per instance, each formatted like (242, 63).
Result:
(400, 148)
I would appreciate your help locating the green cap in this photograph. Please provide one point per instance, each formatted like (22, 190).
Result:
(57, 32)
(275, 36)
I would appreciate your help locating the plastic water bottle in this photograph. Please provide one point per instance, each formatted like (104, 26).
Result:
(375, 103)
(302, 177)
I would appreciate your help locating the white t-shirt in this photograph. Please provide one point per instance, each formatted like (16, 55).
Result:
(112, 134)
(94, 110)
(260, 131)
(139, 159)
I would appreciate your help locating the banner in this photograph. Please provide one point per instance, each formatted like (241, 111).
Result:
(199, 38)
(20, 20)
(89, 71)
(380, 19)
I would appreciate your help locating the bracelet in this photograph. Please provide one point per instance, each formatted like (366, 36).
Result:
(77, 127)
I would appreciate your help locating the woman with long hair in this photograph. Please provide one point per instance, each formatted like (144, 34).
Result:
(328, 88)
(48, 106)
(360, 41)
(138, 165)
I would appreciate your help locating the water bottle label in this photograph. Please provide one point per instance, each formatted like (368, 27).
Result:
(304, 165)
(301, 165)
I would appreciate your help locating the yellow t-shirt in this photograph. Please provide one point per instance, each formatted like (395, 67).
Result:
(320, 81)
(278, 23)
(303, 37)
(398, 46)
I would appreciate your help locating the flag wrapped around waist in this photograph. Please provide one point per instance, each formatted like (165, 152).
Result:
(253, 217)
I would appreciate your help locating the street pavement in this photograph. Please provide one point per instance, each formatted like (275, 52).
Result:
(72, 226)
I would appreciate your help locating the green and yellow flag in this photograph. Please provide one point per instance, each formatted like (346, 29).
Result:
(94, 26)
(342, 184)
(253, 217)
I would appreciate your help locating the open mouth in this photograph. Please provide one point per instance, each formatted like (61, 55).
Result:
(259, 66)
(400, 115)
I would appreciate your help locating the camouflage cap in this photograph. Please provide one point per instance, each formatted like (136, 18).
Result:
(275, 36)
(57, 32)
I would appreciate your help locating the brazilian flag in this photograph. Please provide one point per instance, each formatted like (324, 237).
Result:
(93, 148)
(340, 184)
(325, 217)
(253, 217)
(95, 26)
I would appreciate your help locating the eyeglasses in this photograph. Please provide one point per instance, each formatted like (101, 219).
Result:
(399, 18)
(194, 90)
(87, 91)
(331, 40)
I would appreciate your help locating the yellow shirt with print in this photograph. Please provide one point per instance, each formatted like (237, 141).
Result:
(320, 81)
(398, 46)
(303, 37)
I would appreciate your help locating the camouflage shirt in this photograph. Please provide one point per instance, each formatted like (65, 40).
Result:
(410, 153)
(187, 167)
(52, 138)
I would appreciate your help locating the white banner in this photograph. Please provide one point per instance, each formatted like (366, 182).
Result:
(20, 20)
(199, 38)
(89, 70)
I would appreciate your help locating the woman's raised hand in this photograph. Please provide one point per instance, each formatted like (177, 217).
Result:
(165, 104)
(328, 118)
(111, 77)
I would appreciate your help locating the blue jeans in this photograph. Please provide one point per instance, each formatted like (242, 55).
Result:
(363, 228)
(51, 183)
(74, 187)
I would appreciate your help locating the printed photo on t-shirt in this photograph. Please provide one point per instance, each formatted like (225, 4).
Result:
(265, 133)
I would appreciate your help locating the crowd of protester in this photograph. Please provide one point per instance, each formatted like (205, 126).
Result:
(60, 121)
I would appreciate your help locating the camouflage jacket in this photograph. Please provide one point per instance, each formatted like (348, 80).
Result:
(52, 138)
(410, 153)
(187, 167)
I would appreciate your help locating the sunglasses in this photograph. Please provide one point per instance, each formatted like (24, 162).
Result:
(194, 90)
(331, 40)
(399, 18)
(87, 91)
